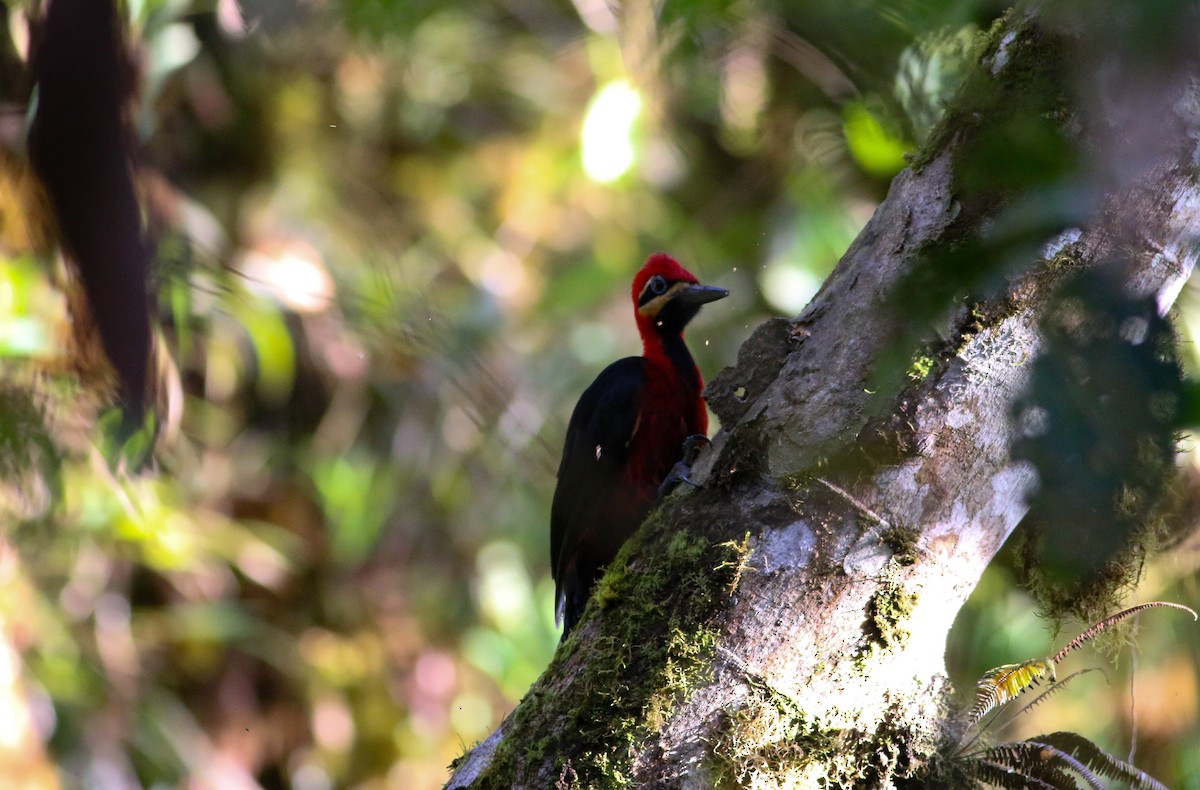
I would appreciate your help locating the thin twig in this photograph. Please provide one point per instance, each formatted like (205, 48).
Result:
(858, 504)
(1133, 730)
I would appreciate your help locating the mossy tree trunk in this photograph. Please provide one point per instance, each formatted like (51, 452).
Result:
(785, 624)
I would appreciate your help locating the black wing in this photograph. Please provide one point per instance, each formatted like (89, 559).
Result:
(594, 454)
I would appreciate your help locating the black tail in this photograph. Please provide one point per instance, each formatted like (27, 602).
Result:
(572, 601)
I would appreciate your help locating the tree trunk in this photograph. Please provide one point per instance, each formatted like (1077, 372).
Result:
(785, 624)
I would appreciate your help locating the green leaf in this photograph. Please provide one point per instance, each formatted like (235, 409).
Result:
(878, 149)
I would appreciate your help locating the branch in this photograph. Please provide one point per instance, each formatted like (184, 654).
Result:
(841, 608)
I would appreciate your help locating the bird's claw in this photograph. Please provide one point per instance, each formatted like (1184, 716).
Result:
(679, 473)
(692, 447)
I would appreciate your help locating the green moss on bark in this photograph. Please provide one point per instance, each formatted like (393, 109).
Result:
(887, 612)
(1020, 73)
(626, 672)
(1012, 142)
(770, 742)
(768, 736)
(903, 543)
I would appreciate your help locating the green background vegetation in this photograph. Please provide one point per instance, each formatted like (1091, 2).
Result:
(384, 274)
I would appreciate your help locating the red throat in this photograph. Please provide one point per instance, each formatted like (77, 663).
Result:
(672, 406)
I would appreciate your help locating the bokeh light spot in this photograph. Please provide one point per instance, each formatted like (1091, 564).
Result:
(471, 715)
(608, 149)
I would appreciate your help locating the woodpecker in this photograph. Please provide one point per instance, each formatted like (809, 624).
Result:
(626, 435)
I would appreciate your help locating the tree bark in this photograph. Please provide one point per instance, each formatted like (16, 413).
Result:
(786, 624)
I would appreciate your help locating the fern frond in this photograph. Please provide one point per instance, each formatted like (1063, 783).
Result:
(1004, 683)
(1100, 626)
(1101, 761)
(1056, 777)
(1050, 691)
(1001, 776)
(1052, 753)
(1043, 761)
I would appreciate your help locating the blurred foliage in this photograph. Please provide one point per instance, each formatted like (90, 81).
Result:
(394, 241)
(1104, 454)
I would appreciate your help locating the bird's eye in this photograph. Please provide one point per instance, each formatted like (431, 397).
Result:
(658, 285)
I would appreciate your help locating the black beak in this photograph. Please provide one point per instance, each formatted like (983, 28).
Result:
(701, 294)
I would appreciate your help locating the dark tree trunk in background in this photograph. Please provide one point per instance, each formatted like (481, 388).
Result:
(81, 149)
(788, 621)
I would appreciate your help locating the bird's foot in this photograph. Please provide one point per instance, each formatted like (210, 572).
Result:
(679, 473)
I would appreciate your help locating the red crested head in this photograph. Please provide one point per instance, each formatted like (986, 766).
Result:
(665, 297)
(664, 266)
